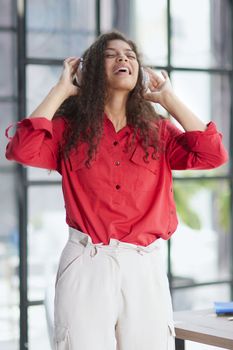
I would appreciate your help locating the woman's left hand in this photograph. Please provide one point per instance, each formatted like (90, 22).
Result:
(159, 87)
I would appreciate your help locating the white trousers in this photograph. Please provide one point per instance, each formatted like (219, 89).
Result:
(112, 297)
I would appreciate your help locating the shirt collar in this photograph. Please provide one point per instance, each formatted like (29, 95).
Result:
(108, 123)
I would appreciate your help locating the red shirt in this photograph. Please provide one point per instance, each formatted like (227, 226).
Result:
(120, 196)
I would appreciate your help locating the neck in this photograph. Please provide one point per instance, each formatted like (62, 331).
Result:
(115, 108)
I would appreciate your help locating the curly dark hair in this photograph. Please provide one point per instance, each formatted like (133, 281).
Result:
(85, 112)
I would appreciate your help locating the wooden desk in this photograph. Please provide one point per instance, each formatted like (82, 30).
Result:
(203, 326)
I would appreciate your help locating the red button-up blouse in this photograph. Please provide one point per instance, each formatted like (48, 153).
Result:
(120, 196)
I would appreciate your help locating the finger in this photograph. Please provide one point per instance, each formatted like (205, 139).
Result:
(71, 60)
(149, 96)
(151, 72)
(165, 74)
(155, 83)
(154, 77)
(152, 87)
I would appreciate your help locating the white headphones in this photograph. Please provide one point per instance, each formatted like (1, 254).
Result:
(145, 78)
(78, 75)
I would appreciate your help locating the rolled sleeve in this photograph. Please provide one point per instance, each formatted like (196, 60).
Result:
(36, 142)
(195, 149)
(37, 123)
(199, 140)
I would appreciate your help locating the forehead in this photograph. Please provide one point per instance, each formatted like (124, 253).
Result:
(118, 45)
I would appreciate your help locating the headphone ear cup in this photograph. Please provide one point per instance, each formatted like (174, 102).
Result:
(78, 75)
(145, 78)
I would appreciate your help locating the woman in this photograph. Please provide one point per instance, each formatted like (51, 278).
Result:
(115, 155)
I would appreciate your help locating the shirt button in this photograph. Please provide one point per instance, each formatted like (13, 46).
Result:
(118, 187)
(117, 162)
(115, 143)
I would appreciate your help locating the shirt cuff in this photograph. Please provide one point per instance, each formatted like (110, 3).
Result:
(193, 139)
(37, 123)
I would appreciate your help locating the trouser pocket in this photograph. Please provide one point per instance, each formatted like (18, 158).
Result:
(70, 254)
(171, 336)
(61, 338)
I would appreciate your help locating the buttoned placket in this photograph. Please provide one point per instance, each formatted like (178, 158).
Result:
(116, 154)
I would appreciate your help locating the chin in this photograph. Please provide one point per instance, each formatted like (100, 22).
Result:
(125, 87)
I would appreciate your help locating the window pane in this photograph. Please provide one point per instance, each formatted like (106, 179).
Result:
(7, 117)
(149, 30)
(208, 31)
(38, 332)
(120, 15)
(9, 262)
(190, 345)
(58, 29)
(201, 245)
(108, 15)
(40, 80)
(48, 233)
(208, 96)
(36, 174)
(7, 13)
(199, 297)
(8, 82)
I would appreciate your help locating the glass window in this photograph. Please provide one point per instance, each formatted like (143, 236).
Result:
(9, 265)
(47, 235)
(36, 174)
(190, 345)
(201, 245)
(58, 29)
(208, 96)
(38, 330)
(108, 14)
(8, 80)
(149, 30)
(7, 117)
(207, 26)
(200, 297)
(40, 80)
(7, 13)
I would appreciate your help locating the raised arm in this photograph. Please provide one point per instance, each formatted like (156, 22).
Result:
(37, 138)
(60, 92)
(200, 146)
(161, 92)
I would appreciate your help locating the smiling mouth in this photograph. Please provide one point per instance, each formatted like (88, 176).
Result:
(122, 70)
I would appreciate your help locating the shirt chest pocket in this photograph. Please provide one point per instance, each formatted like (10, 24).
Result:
(94, 177)
(146, 174)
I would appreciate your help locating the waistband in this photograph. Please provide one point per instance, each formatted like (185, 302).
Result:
(84, 239)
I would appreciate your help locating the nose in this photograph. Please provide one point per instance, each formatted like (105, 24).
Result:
(122, 58)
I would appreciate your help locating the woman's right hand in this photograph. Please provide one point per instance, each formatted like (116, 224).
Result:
(65, 83)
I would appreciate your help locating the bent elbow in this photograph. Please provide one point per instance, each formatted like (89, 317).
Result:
(219, 160)
(223, 159)
(13, 153)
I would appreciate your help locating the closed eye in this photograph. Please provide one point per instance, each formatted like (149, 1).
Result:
(132, 57)
(109, 55)
(112, 55)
